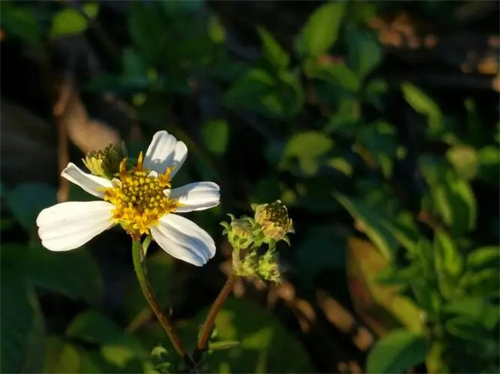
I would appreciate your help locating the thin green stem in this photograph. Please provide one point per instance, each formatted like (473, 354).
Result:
(212, 314)
(137, 254)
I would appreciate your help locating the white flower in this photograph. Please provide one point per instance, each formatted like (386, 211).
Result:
(141, 200)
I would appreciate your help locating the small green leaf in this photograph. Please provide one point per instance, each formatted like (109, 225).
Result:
(424, 105)
(321, 30)
(365, 52)
(464, 160)
(216, 30)
(61, 357)
(24, 207)
(69, 21)
(395, 352)
(476, 308)
(484, 257)
(309, 148)
(216, 136)
(448, 263)
(467, 328)
(339, 75)
(220, 346)
(273, 52)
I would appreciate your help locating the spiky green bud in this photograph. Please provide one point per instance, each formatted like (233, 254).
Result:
(106, 163)
(274, 220)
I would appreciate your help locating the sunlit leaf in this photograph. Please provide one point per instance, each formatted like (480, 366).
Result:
(464, 160)
(321, 30)
(70, 21)
(309, 148)
(61, 357)
(484, 257)
(380, 305)
(395, 352)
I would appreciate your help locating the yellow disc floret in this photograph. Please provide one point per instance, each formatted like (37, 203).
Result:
(139, 198)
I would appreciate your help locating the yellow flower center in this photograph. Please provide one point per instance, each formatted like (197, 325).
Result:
(139, 198)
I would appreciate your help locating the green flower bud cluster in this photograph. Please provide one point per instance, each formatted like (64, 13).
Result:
(254, 240)
(106, 163)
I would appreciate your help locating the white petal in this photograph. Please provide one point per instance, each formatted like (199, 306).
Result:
(196, 196)
(88, 182)
(184, 239)
(165, 151)
(69, 225)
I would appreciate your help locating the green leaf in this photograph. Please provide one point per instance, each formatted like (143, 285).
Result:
(309, 148)
(489, 164)
(464, 160)
(21, 23)
(220, 346)
(483, 283)
(216, 30)
(395, 352)
(364, 51)
(448, 263)
(452, 197)
(216, 135)
(24, 207)
(321, 30)
(383, 230)
(424, 105)
(484, 257)
(273, 52)
(275, 96)
(61, 357)
(22, 324)
(337, 74)
(476, 308)
(69, 21)
(467, 328)
(265, 345)
(74, 274)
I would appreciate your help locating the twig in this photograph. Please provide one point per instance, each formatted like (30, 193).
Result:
(212, 314)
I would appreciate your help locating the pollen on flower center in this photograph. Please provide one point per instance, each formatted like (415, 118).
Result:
(139, 198)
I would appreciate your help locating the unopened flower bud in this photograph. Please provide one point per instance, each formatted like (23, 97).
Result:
(106, 163)
(268, 267)
(274, 220)
(240, 232)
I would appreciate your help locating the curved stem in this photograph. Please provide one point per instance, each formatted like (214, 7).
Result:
(137, 255)
(212, 314)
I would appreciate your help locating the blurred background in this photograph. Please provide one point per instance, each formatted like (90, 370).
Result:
(375, 122)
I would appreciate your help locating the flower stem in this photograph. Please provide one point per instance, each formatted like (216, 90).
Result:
(201, 347)
(165, 322)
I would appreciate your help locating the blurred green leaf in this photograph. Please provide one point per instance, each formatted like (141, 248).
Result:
(61, 357)
(265, 345)
(395, 352)
(70, 21)
(216, 136)
(466, 328)
(384, 231)
(381, 142)
(22, 324)
(489, 164)
(216, 30)
(476, 308)
(482, 283)
(464, 160)
(273, 52)
(448, 263)
(337, 74)
(275, 96)
(74, 274)
(309, 148)
(321, 30)
(220, 346)
(25, 207)
(424, 105)
(21, 23)
(375, 93)
(484, 257)
(452, 196)
(382, 307)
(364, 51)
(133, 64)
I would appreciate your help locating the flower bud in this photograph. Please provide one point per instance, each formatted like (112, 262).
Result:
(106, 163)
(274, 220)
(240, 232)
(268, 267)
